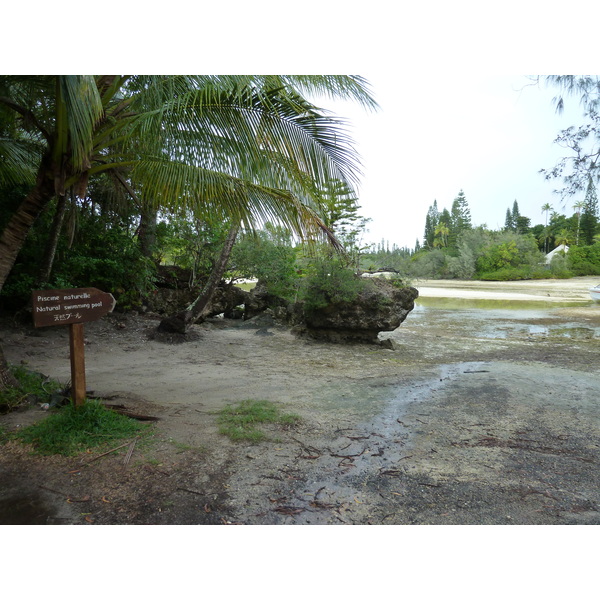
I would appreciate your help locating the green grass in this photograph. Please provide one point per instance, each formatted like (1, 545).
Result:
(31, 386)
(72, 430)
(240, 422)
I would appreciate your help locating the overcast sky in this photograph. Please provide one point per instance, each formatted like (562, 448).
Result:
(439, 133)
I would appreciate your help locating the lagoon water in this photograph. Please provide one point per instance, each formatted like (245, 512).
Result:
(498, 319)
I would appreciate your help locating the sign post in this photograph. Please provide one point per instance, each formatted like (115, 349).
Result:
(72, 307)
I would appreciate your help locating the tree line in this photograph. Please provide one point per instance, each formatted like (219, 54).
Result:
(453, 247)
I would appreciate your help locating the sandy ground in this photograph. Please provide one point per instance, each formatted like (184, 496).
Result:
(479, 416)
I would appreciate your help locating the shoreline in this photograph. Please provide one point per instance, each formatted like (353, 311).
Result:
(575, 289)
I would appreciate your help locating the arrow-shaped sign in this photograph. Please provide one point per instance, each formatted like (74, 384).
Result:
(65, 307)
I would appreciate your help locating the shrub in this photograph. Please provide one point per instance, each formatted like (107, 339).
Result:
(330, 283)
(584, 260)
(507, 274)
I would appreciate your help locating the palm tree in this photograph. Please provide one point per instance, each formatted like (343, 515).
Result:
(578, 206)
(546, 208)
(441, 230)
(241, 148)
(563, 238)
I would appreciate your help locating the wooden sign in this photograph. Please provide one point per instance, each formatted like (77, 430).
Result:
(72, 307)
(64, 307)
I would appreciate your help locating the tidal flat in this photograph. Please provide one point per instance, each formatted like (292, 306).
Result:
(479, 415)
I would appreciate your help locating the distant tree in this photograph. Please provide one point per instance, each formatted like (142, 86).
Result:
(522, 224)
(578, 206)
(563, 238)
(446, 218)
(431, 221)
(460, 218)
(515, 214)
(441, 235)
(508, 221)
(546, 208)
(589, 216)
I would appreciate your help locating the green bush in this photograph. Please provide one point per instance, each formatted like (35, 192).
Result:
(507, 274)
(327, 282)
(584, 260)
(102, 254)
(274, 264)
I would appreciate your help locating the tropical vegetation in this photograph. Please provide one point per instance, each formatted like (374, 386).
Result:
(91, 166)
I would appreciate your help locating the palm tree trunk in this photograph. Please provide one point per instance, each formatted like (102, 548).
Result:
(52, 243)
(13, 238)
(194, 312)
(200, 303)
(14, 234)
(147, 231)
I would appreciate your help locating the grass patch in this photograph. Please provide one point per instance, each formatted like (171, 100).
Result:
(239, 422)
(71, 430)
(32, 387)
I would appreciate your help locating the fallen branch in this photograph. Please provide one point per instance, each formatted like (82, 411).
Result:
(191, 491)
(123, 410)
(347, 455)
(289, 510)
(105, 453)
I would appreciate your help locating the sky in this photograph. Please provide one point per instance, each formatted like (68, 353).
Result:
(433, 136)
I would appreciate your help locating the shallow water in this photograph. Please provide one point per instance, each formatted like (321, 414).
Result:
(495, 303)
(500, 319)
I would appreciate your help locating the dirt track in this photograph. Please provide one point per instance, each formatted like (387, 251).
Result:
(462, 423)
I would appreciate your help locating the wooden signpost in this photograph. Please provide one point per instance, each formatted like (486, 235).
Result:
(72, 307)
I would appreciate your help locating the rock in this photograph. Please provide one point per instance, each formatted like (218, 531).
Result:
(380, 306)
(388, 344)
(259, 299)
(227, 300)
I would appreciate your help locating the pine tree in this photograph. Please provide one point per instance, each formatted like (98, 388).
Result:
(515, 212)
(508, 222)
(460, 219)
(431, 222)
(589, 216)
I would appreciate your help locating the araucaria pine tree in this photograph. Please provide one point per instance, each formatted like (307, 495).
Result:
(589, 216)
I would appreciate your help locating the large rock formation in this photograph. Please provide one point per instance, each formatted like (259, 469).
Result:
(380, 306)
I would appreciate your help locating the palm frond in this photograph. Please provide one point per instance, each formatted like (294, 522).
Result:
(230, 130)
(18, 162)
(84, 109)
(216, 196)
